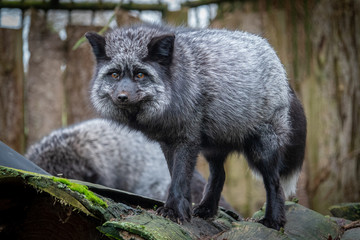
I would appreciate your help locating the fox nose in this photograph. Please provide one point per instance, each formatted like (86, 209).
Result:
(123, 97)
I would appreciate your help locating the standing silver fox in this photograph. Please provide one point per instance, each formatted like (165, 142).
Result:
(210, 91)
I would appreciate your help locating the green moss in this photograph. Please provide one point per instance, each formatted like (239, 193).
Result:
(82, 189)
(130, 227)
(62, 180)
(146, 225)
(8, 171)
(350, 211)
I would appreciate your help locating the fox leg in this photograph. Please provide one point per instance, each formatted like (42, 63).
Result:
(209, 204)
(181, 160)
(265, 157)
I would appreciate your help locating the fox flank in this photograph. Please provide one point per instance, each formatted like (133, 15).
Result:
(209, 91)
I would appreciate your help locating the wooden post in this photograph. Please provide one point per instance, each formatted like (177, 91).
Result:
(44, 85)
(11, 89)
(79, 70)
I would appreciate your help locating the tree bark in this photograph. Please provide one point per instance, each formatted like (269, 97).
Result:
(44, 83)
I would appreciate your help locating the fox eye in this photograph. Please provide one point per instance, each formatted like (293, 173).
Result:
(140, 75)
(115, 75)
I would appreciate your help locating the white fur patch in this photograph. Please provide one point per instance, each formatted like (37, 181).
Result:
(289, 184)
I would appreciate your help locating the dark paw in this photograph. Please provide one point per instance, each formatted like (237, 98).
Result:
(178, 213)
(204, 211)
(272, 224)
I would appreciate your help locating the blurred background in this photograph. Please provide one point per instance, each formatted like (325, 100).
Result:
(45, 75)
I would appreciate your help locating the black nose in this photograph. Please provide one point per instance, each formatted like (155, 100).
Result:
(123, 97)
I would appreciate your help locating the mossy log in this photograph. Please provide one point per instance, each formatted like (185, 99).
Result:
(35, 206)
(349, 211)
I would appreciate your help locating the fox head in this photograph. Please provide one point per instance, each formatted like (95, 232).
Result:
(131, 77)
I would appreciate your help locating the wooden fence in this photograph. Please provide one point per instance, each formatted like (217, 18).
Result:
(50, 96)
(317, 41)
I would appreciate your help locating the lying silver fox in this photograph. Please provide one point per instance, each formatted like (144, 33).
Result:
(100, 152)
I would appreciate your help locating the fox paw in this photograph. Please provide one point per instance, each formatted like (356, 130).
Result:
(272, 224)
(204, 212)
(179, 214)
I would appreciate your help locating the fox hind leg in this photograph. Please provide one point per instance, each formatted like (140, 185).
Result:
(265, 157)
(209, 204)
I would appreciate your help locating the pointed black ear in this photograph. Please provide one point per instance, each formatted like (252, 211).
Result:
(97, 43)
(161, 48)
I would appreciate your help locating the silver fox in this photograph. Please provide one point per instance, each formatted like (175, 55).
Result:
(210, 91)
(101, 152)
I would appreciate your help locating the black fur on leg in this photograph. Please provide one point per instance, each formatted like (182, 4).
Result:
(275, 204)
(181, 160)
(209, 204)
(264, 156)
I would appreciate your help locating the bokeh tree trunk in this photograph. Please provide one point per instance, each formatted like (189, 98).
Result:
(78, 74)
(44, 82)
(318, 42)
(11, 89)
(332, 98)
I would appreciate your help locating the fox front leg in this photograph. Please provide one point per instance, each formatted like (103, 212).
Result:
(181, 160)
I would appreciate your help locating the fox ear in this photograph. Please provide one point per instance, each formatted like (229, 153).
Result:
(97, 43)
(161, 48)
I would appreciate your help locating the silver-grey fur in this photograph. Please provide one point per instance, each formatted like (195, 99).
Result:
(214, 91)
(257, 99)
(100, 152)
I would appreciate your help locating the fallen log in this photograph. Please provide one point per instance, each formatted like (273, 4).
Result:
(40, 206)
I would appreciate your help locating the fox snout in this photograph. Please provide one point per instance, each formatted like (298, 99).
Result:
(121, 97)
(124, 92)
